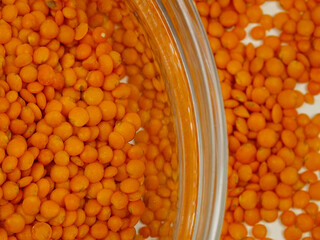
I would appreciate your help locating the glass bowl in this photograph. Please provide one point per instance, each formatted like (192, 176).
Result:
(181, 48)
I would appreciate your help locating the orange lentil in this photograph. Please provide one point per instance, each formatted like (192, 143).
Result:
(229, 40)
(41, 231)
(292, 232)
(257, 33)
(78, 116)
(314, 194)
(237, 230)
(228, 18)
(254, 13)
(248, 199)
(274, 67)
(49, 29)
(259, 231)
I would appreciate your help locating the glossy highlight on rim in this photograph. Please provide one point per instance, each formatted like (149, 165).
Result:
(209, 226)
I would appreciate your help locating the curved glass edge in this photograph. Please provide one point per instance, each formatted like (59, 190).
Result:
(176, 32)
(194, 48)
(183, 104)
(217, 214)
